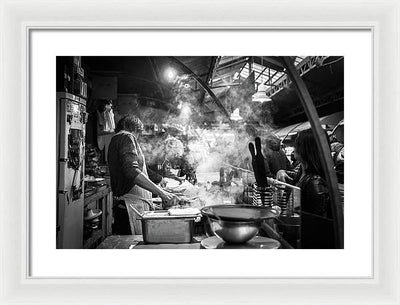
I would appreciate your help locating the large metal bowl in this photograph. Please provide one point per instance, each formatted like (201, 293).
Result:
(237, 224)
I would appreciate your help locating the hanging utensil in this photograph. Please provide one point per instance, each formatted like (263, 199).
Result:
(253, 162)
(258, 163)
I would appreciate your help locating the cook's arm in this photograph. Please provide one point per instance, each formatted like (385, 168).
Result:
(286, 175)
(130, 169)
(144, 182)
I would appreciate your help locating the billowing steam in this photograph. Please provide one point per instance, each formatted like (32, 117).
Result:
(208, 148)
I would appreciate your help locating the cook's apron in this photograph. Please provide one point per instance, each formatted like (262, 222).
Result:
(140, 198)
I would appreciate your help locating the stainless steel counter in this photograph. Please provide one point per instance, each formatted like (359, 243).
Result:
(136, 242)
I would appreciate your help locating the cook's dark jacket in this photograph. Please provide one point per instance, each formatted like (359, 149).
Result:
(125, 163)
(316, 214)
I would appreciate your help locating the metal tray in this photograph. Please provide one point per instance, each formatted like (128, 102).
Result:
(158, 227)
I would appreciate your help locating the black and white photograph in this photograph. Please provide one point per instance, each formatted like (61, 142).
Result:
(200, 152)
(172, 152)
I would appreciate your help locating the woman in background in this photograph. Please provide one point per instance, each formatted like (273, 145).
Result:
(316, 215)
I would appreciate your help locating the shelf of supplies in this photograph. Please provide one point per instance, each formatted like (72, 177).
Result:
(102, 200)
(100, 193)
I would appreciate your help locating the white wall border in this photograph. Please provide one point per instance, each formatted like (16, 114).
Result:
(17, 17)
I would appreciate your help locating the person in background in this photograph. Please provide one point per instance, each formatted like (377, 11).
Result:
(155, 177)
(129, 179)
(316, 214)
(168, 163)
(148, 151)
(187, 165)
(275, 155)
(337, 149)
(295, 163)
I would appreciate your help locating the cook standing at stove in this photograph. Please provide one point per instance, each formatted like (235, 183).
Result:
(129, 179)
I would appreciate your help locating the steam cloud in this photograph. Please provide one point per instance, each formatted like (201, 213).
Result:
(211, 147)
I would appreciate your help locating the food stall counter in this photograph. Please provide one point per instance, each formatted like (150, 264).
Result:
(136, 242)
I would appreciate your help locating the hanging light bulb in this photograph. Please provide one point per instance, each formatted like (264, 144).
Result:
(235, 116)
(261, 95)
(170, 74)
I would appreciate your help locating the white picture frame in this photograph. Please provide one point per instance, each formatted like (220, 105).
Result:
(18, 18)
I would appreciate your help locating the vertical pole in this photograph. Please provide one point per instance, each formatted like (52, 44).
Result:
(323, 147)
(209, 80)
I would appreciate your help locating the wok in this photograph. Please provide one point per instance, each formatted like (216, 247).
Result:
(237, 223)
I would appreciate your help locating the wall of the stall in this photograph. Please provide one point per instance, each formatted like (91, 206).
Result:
(105, 87)
(125, 104)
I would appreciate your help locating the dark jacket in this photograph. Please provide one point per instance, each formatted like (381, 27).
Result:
(277, 160)
(316, 215)
(125, 162)
(314, 195)
(275, 156)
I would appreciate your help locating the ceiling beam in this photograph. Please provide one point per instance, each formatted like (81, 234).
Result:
(329, 98)
(269, 61)
(261, 73)
(306, 65)
(202, 84)
(213, 65)
(233, 62)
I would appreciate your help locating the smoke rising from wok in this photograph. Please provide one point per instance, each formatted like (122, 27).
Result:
(208, 148)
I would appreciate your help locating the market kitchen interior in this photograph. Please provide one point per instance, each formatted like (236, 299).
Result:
(199, 115)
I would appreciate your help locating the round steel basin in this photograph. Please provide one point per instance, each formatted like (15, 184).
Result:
(234, 232)
(236, 224)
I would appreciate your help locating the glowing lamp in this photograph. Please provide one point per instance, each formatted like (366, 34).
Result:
(261, 95)
(235, 116)
(170, 74)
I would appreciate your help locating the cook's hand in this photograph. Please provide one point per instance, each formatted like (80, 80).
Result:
(169, 199)
(282, 176)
